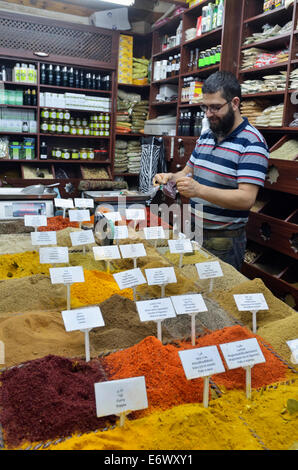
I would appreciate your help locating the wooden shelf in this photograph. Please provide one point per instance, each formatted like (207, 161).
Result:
(264, 94)
(21, 134)
(89, 111)
(70, 136)
(274, 41)
(252, 70)
(164, 103)
(23, 106)
(174, 79)
(70, 89)
(267, 15)
(214, 32)
(203, 70)
(166, 52)
(7, 82)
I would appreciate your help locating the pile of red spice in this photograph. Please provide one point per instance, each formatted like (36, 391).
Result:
(49, 398)
(266, 373)
(59, 222)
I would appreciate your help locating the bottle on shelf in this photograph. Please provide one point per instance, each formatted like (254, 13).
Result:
(215, 15)
(17, 73)
(43, 151)
(50, 75)
(169, 67)
(70, 77)
(3, 75)
(98, 81)
(43, 74)
(220, 13)
(57, 74)
(64, 77)
(82, 79)
(33, 98)
(197, 124)
(180, 124)
(88, 80)
(76, 78)
(27, 97)
(178, 63)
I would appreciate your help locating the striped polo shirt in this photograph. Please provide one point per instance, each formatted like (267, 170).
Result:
(242, 157)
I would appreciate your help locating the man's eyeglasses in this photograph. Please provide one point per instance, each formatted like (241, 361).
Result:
(213, 108)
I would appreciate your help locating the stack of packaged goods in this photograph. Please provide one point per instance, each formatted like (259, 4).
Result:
(134, 151)
(121, 159)
(294, 80)
(271, 116)
(139, 115)
(123, 124)
(268, 32)
(257, 58)
(140, 71)
(125, 59)
(276, 82)
(253, 109)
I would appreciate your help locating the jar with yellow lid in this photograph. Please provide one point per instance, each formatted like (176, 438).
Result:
(60, 114)
(65, 127)
(83, 154)
(90, 154)
(73, 130)
(65, 154)
(66, 115)
(59, 127)
(45, 113)
(53, 114)
(44, 126)
(58, 153)
(75, 155)
(85, 122)
(80, 130)
(52, 126)
(86, 130)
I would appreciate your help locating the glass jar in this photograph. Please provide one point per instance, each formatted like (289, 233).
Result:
(86, 130)
(58, 153)
(84, 154)
(60, 114)
(59, 127)
(52, 126)
(75, 154)
(53, 153)
(53, 114)
(65, 154)
(66, 127)
(72, 122)
(66, 115)
(44, 126)
(73, 130)
(45, 113)
(90, 154)
(96, 133)
(80, 130)
(85, 122)
(78, 122)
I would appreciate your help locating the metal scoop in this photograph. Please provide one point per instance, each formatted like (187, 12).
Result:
(37, 188)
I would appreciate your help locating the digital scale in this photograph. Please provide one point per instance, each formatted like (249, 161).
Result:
(14, 204)
(118, 199)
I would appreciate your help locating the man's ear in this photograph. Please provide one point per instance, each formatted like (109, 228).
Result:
(236, 103)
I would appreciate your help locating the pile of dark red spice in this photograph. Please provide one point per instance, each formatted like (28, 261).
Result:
(49, 398)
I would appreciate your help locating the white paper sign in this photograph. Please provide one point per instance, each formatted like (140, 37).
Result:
(64, 203)
(79, 215)
(209, 270)
(44, 238)
(35, 220)
(134, 250)
(52, 255)
(130, 278)
(189, 303)
(106, 252)
(135, 214)
(154, 233)
(84, 202)
(119, 396)
(242, 353)
(120, 232)
(250, 302)
(160, 276)
(180, 246)
(155, 309)
(82, 318)
(293, 345)
(67, 275)
(201, 362)
(113, 216)
(82, 237)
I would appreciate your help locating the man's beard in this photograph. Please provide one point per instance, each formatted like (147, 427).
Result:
(221, 127)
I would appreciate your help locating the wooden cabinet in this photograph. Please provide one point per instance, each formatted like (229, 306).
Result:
(273, 230)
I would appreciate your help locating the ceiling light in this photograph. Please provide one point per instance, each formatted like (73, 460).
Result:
(127, 3)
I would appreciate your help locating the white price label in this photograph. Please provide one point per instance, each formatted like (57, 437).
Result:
(293, 345)
(160, 276)
(242, 353)
(119, 396)
(209, 270)
(113, 216)
(120, 232)
(250, 302)
(35, 220)
(64, 203)
(180, 246)
(67, 275)
(52, 255)
(130, 278)
(189, 303)
(84, 202)
(134, 250)
(135, 214)
(82, 237)
(154, 233)
(82, 318)
(201, 362)
(155, 309)
(44, 238)
(79, 215)
(106, 252)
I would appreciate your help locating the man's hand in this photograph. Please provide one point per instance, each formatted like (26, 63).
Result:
(188, 187)
(162, 178)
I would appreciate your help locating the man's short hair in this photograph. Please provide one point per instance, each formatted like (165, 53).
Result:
(225, 82)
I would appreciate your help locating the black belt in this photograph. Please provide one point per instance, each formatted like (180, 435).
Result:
(224, 233)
